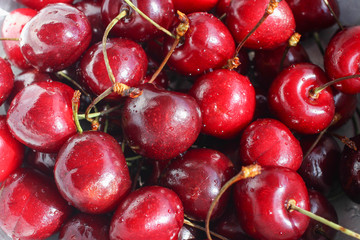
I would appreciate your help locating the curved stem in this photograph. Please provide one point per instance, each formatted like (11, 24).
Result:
(187, 222)
(334, 15)
(9, 39)
(75, 108)
(293, 41)
(139, 166)
(62, 74)
(318, 42)
(99, 114)
(106, 93)
(347, 141)
(133, 158)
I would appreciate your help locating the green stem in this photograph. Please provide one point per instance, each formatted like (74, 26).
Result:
(75, 109)
(334, 15)
(315, 92)
(133, 158)
(318, 42)
(99, 114)
(62, 74)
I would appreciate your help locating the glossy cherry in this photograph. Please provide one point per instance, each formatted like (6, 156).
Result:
(291, 101)
(345, 106)
(222, 6)
(261, 204)
(91, 172)
(55, 38)
(243, 15)
(6, 80)
(149, 213)
(11, 28)
(188, 233)
(226, 100)
(161, 124)
(134, 26)
(44, 162)
(207, 44)
(189, 6)
(268, 142)
(30, 206)
(40, 116)
(39, 4)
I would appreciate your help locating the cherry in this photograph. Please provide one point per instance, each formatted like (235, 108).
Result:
(290, 99)
(86, 227)
(261, 204)
(188, 233)
(340, 59)
(197, 178)
(39, 4)
(11, 28)
(222, 7)
(161, 124)
(319, 168)
(243, 15)
(55, 38)
(44, 162)
(345, 106)
(226, 100)
(148, 213)
(91, 172)
(189, 6)
(134, 26)
(162, 81)
(269, 142)
(40, 116)
(6, 80)
(196, 53)
(30, 206)
(127, 60)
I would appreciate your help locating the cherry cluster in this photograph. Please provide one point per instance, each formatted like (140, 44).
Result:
(175, 119)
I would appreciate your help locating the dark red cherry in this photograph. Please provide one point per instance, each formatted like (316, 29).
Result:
(11, 28)
(226, 100)
(222, 7)
(127, 60)
(91, 172)
(269, 142)
(341, 59)
(6, 80)
(312, 15)
(243, 15)
(291, 101)
(261, 204)
(12, 152)
(320, 168)
(85, 227)
(134, 26)
(40, 116)
(161, 124)
(39, 4)
(30, 206)
(197, 178)
(189, 6)
(55, 38)
(44, 162)
(149, 213)
(345, 106)
(323, 208)
(207, 44)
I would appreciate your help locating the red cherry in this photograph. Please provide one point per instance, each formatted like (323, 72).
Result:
(341, 59)
(30, 206)
(261, 204)
(40, 116)
(207, 44)
(189, 6)
(291, 101)
(243, 15)
(149, 213)
(345, 106)
(55, 38)
(11, 28)
(44, 162)
(269, 142)
(226, 100)
(222, 7)
(197, 178)
(134, 26)
(160, 124)
(6, 80)
(188, 233)
(91, 172)
(39, 4)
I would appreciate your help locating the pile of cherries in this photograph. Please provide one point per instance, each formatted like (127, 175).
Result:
(157, 119)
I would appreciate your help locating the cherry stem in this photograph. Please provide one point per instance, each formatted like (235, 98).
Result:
(334, 15)
(149, 19)
(187, 222)
(113, 22)
(75, 108)
(99, 114)
(268, 11)
(345, 140)
(133, 158)
(292, 206)
(293, 41)
(64, 75)
(246, 172)
(9, 39)
(318, 42)
(139, 166)
(222, 16)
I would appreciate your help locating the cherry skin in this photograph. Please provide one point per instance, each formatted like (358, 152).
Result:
(6, 80)
(40, 116)
(12, 152)
(161, 124)
(133, 26)
(189, 6)
(243, 15)
(197, 178)
(222, 7)
(127, 60)
(39, 4)
(226, 100)
(149, 213)
(341, 59)
(91, 172)
(161, 81)
(30, 206)
(44, 162)
(188, 233)
(290, 99)
(268, 142)
(11, 28)
(345, 106)
(55, 38)
(197, 53)
(261, 204)
(86, 227)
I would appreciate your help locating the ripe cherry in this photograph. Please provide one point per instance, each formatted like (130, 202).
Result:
(39, 4)
(345, 106)
(44, 162)
(189, 6)
(6, 80)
